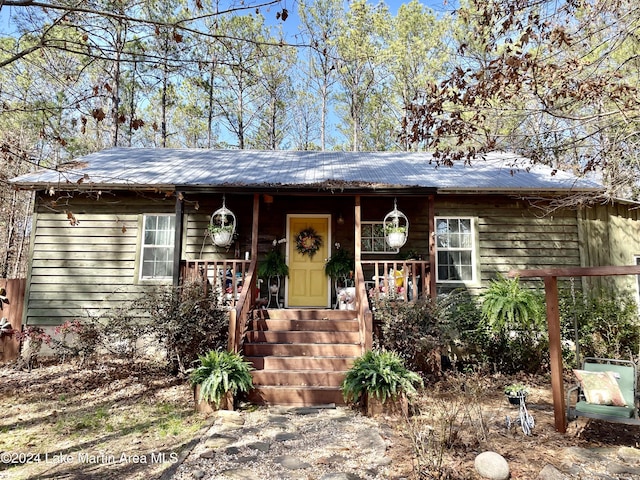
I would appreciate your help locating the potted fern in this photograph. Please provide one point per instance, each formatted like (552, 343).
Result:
(220, 376)
(340, 265)
(380, 382)
(272, 269)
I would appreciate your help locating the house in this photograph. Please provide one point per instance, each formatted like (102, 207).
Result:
(111, 223)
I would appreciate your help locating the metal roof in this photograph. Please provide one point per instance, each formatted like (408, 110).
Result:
(137, 168)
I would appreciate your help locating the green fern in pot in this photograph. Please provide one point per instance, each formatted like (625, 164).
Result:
(380, 374)
(220, 372)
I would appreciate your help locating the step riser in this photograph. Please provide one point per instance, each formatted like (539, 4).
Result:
(304, 314)
(305, 325)
(301, 363)
(294, 379)
(295, 396)
(301, 356)
(304, 337)
(300, 350)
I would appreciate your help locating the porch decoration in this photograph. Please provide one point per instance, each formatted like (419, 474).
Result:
(308, 242)
(222, 226)
(396, 227)
(220, 376)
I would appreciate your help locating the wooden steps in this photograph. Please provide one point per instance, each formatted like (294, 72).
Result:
(301, 356)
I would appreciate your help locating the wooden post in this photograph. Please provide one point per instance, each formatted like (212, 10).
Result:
(555, 352)
(432, 248)
(357, 234)
(177, 243)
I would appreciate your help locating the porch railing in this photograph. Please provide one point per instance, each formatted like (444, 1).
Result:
(406, 279)
(235, 283)
(365, 317)
(226, 277)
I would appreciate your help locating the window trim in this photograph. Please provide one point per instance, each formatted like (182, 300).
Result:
(141, 247)
(370, 252)
(473, 250)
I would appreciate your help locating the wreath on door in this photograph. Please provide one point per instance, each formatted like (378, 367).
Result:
(308, 242)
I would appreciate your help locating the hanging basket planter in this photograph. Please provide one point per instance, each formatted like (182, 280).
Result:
(396, 227)
(222, 226)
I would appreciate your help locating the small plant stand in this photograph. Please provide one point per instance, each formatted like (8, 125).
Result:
(274, 291)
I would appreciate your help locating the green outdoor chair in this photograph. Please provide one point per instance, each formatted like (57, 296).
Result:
(624, 372)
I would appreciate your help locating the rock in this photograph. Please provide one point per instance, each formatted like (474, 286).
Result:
(371, 439)
(291, 463)
(260, 446)
(492, 465)
(340, 476)
(239, 474)
(549, 472)
(229, 417)
(198, 474)
(283, 437)
(620, 469)
(219, 441)
(629, 454)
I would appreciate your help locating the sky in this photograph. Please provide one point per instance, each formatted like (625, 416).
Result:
(290, 26)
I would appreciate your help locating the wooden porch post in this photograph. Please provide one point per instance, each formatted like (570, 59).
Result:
(432, 247)
(254, 246)
(357, 234)
(177, 243)
(555, 352)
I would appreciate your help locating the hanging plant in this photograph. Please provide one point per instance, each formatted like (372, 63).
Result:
(308, 242)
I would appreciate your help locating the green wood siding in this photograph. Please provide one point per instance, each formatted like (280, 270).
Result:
(512, 235)
(610, 235)
(91, 267)
(88, 268)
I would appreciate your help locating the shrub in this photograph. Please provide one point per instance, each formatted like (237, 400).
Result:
(507, 306)
(381, 374)
(514, 319)
(411, 330)
(468, 338)
(76, 339)
(220, 372)
(608, 325)
(187, 323)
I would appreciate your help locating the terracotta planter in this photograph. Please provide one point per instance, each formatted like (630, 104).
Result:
(209, 407)
(392, 406)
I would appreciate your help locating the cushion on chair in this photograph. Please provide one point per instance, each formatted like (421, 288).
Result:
(600, 388)
(399, 278)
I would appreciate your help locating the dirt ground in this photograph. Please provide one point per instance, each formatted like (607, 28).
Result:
(120, 420)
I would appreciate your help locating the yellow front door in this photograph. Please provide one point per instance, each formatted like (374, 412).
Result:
(307, 285)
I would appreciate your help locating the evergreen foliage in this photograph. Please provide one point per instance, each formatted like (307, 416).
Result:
(379, 373)
(220, 372)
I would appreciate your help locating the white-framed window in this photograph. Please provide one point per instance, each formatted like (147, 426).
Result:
(373, 239)
(455, 249)
(156, 258)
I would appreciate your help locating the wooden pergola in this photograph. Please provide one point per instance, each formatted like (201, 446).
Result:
(550, 277)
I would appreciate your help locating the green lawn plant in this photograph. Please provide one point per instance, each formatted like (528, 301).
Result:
(506, 305)
(220, 372)
(514, 319)
(379, 373)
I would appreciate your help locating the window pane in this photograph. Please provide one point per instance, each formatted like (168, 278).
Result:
(373, 239)
(157, 247)
(454, 245)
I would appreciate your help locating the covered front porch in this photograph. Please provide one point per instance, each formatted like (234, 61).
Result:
(349, 222)
(302, 331)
